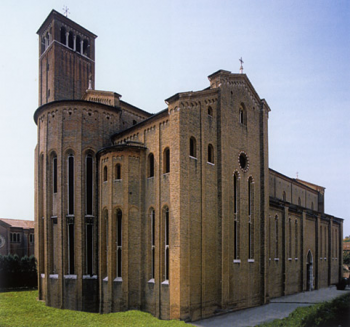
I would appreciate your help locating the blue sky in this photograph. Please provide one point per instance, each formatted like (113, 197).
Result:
(296, 54)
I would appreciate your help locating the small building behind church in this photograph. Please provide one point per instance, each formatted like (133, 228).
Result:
(175, 213)
(16, 237)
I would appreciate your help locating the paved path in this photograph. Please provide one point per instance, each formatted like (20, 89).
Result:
(277, 309)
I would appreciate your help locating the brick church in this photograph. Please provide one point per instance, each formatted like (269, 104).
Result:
(175, 213)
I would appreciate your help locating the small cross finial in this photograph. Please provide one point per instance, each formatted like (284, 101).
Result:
(65, 11)
(241, 68)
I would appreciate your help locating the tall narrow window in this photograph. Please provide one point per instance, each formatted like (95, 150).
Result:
(276, 237)
(150, 165)
(71, 248)
(290, 237)
(89, 249)
(70, 185)
(118, 171)
(104, 250)
(235, 212)
(299, 201)
(325, 242)
(251, 220)
(55, 174)
(210, 153)
(119, 242)
(210, 111)
(166, 244)
(166, 161)
(296, 238)
(284, 196)
(153, 242)
(193, 147)
(105, 174)
(241, 116)
(89, 184)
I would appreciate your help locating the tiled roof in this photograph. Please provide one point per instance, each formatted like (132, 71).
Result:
(18, 223)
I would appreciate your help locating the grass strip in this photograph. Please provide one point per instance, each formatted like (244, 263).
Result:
(23, 309)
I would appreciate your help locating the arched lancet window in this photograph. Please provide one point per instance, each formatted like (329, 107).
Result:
(89, 184)
(63, 36)
(104, 243)
(210, 111)
(78, 44)
(250, 218)
(70, 248)
(284, 196)
(71, 40)
(86, 48)
(312, 206)
(54, 173)
(105, 175)
(153, 241)
(299, 201)
(119, 236)
(166, 268)
(290, 237)
(276, 236)
(296, 238)
(70, 184)
(210, 153)
(89, 239)
(150, 165)
(166, 161)
(193, 147)
(242, 115)
(236, 216)
(118, 171)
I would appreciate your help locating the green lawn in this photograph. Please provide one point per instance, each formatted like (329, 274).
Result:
(23, 309)
(328, 314)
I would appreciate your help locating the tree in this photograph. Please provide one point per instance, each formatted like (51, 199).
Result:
(346, 257)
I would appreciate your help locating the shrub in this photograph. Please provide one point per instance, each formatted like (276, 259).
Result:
(17, 272)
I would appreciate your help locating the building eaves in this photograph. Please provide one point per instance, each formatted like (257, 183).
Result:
(66, 20)
(141, 123)
(57, 102)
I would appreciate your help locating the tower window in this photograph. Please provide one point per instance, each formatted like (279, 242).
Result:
(193, 147)
(150, 165)
(105, 174)
(242, 115)
(63, 36)
(71, 40)
(166, 161)
(78, 44)
(210, 153)
(210, 111)
(118, 171)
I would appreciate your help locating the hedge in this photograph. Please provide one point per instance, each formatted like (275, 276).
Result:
(17, 272)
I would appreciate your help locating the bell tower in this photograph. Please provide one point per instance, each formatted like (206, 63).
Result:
(66, 59)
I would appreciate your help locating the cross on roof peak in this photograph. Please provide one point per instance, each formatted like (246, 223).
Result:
(65, 11)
